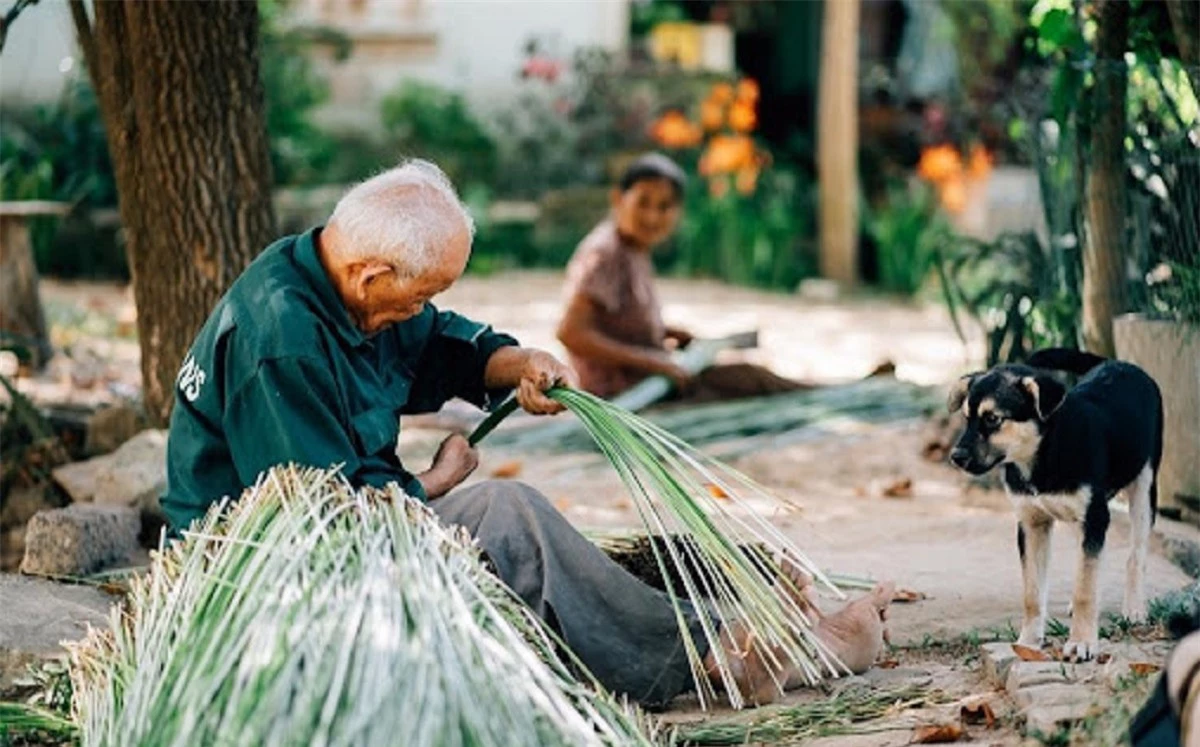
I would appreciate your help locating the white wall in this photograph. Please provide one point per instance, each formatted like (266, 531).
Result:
(39, 55)
(475, 46)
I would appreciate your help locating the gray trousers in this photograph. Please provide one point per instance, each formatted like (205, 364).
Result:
(623, 630)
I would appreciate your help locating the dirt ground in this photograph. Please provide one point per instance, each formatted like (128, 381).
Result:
(949, 541)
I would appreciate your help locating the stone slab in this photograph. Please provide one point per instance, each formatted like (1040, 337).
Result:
(80, 539)
(36, 615)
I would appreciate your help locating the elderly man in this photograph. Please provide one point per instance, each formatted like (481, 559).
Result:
(329, 336)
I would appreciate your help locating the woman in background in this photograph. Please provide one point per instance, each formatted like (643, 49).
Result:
(612, 327)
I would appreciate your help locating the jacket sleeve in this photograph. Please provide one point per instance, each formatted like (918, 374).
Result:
(453, 364)
(290, 411)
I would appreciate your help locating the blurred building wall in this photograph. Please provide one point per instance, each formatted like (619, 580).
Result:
(474, 46)
(39, 56)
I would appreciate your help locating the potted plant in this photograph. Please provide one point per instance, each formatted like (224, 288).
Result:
(1164, 339)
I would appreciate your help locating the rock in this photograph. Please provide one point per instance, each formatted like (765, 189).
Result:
(110, 427)
(133, 475)
(137, 474)
(1026, 674)
(998, 658)
(37, 615)
(80, 539)
(1058, 695)
(78, 479)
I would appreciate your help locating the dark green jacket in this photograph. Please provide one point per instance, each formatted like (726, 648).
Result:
(279, 374)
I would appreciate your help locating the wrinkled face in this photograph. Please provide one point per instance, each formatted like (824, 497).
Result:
(386, 296)
(1003, 421)
(648, 211)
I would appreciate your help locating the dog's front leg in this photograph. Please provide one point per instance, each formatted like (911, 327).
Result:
(1083, 643)
(1033, 546)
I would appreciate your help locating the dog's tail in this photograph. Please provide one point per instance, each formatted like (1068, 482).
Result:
(1065, 359)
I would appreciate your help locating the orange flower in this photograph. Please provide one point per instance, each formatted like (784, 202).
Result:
(747, 90)
(742, 117)
(712, 115)
(726, 154)
(718, 187)
(673, 130)
(721, 93)
(747, 179)
(979, 165)
(939, 163)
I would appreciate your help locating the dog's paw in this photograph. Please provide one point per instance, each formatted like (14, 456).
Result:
(1081, 650)
(1134, 611)
(1031, 638)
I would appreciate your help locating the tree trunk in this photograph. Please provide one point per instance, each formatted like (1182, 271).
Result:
(179, 90)
(22, 323)
(837, 141)
(1104, 251)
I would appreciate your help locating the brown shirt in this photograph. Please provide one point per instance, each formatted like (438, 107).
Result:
(619, 280)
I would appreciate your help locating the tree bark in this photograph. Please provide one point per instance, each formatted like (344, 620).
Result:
(179, 89)
(22, 322)
(837, 141)
(1104, 251)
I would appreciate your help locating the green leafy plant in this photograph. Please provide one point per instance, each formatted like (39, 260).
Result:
(1023, 294)
(301, 151)
(421, 119)
(308, 612)
(762, 239)
(909, 233)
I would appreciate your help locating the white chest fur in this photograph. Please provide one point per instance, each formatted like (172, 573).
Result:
(1070, 507)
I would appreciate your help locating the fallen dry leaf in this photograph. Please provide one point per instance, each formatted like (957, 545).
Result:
(562, 504)
(860, 491)
(979, 712)
(508, 470)
(1025, 653)
(938, 734)
(934, 452)
(716, 491)
(888, 664)
(1143, 668)
(901, 488)
(1103, 658)
(905, 596)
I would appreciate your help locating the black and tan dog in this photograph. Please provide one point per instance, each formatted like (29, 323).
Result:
(1065, 454)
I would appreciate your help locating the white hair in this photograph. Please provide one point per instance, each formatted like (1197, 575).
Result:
(404, 216)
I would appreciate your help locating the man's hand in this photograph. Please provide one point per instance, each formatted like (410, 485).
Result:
(454, 462)
(531, 372)
(541, 372)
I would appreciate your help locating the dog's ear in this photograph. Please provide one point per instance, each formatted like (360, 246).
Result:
(958, 392)
(1048, 393)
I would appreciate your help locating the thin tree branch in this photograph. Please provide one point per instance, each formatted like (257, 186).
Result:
(83, 32)
(10, 16)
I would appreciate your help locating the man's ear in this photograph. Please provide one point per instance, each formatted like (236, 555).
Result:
(958, 392)
(1048, 393)
(365, 273)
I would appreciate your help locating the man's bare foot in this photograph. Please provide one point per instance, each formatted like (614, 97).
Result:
(855, 635)
(751, 673)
